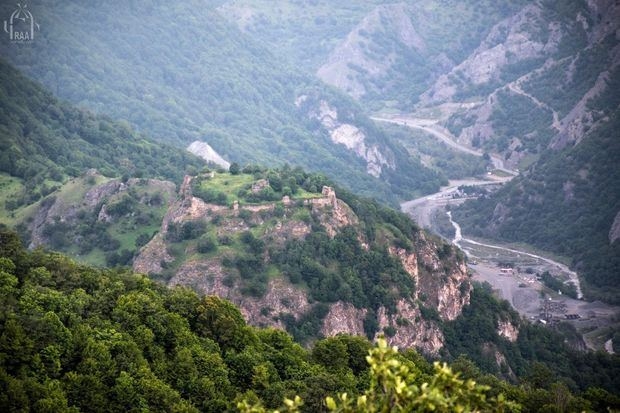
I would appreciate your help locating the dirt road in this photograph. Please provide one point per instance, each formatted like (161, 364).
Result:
(458, 239)
(432, 127)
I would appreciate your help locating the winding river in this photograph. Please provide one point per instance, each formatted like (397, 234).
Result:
(458, 238)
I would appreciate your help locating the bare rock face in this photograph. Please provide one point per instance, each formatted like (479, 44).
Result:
(206, 152)
(151, 257)
(337, 71)
(507, 330)
(349, 135)
(446, 291)
(208, 278)
(491, 351)
(411, 330)
(95, 195)
(581, 118)
(507, 43)
(454, 294)
(281, 297)
(338, 215)
(287, 230)
(344, 318)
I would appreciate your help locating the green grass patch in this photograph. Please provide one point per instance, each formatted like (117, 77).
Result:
(95, 257)
(10, 187)
(303, 194)
(228, 183)
(273, 272)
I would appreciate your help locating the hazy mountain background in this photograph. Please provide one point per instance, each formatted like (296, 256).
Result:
(202, 79)
(538, 85)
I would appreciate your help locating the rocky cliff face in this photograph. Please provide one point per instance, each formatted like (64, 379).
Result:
(438, 286)
(348, 134)
(614, 231)
(508, 43)
(523, 66)
(445, 291)
(206, 152)
(508, 330)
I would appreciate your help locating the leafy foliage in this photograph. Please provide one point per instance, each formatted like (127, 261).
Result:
(339, 269)
(475, 334)
(76, 338)
(396, 387)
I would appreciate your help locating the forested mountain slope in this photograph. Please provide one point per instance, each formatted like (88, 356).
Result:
(76, 337)
(43, 141)
(183, 73)
(540, 85)
(545, 77)
(568, 203)
(379, 52)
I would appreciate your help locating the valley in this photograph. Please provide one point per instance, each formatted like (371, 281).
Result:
(520, 286)
(229, 205)
(526, 293)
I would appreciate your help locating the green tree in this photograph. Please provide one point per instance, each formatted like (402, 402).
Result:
(234, 168)
(394, 387)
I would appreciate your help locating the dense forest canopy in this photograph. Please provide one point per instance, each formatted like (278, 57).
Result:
(44, 140)
(76, 338)
(92, 158)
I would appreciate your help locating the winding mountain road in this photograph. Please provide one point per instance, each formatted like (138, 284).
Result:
(432, 127)
(422, 208)
(516, 88)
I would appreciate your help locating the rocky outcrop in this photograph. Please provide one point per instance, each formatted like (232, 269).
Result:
(88, 195)
(338, 215)
(582, 116)
(440, 285)
(152, 257)
(411, 330)
(491, 351)
(614, 231)
(287, 230)
(343, 318)
(281, 297)
(349, 60)
(508, 43)
(352, 137)
(446, 290)
(206, 152)
(507, 330)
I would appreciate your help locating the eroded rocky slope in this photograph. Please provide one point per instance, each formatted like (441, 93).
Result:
(441, 284)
